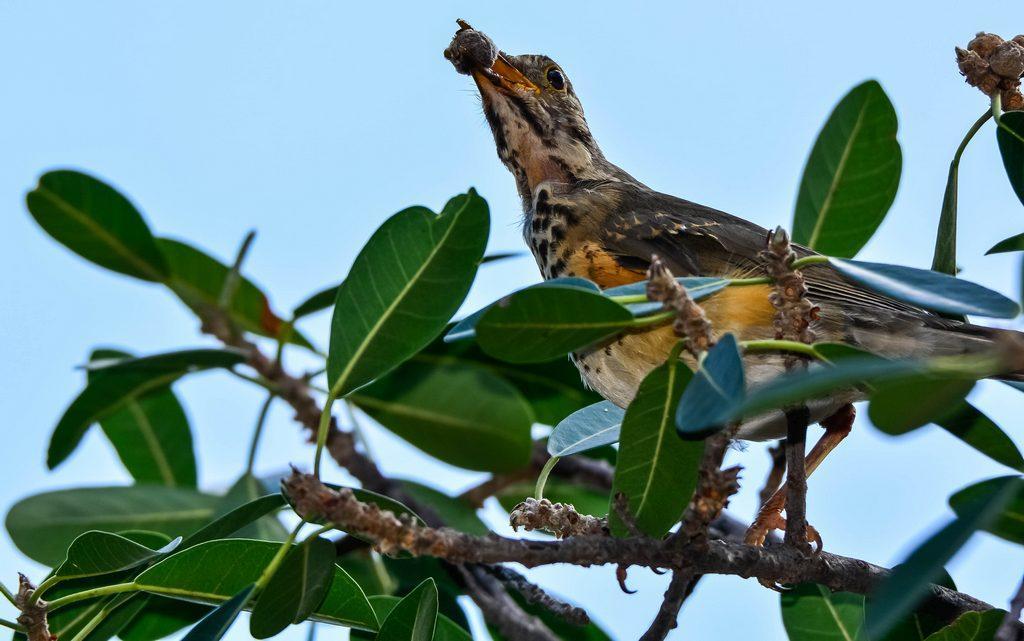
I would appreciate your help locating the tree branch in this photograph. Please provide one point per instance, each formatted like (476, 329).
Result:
(1009, 629)
(500, 610)
(668, 614)
(781, 564)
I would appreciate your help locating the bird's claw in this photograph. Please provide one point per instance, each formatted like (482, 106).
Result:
(765, 523)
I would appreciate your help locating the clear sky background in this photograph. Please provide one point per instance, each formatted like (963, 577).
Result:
(314, 121)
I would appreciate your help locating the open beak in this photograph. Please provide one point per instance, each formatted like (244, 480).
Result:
(501, 73)
(508, 76)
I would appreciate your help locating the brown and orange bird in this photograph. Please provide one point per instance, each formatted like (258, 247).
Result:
(586, 217)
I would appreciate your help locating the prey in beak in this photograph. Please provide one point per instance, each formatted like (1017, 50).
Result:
(539, 130)
(473, 53)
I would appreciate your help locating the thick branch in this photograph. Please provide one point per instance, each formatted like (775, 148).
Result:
(780, 564)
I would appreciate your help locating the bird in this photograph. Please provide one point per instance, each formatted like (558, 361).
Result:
(584, 216)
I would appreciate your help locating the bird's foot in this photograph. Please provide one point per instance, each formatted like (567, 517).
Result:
(767, 521)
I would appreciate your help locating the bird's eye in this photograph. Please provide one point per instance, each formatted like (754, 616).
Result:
(556, 79)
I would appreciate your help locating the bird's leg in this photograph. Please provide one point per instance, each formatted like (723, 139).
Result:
(769, 517)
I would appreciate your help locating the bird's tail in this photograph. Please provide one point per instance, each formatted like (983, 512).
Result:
(914, 337)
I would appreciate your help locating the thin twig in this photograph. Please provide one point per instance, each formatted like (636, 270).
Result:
(1009, 629)
(668, 614)
(536, 595)
(776, 474)
(796, 477)
(230, 286)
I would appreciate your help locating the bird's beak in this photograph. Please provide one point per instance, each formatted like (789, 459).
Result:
(488, 65)
(508, 76)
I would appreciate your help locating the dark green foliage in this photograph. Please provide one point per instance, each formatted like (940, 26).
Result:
(716, 387)
(403, 288)
(1010, 135)
(151, 434)
(96, 222)
(543, 323)
(657, 471)
(177, 557)
(929, 289)
(585, 429)
(851, 176)
(296, 589)
(814, 613)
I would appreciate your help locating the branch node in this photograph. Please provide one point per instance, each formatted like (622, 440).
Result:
(560, 519)
(33, 615)
(994, 66)
(691, 322)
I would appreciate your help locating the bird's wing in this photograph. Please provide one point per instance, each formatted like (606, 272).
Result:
(696, 240)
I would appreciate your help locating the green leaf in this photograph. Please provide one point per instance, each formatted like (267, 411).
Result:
(798, 387)
(1009, 523)
(298, 586)
(215, 624)
(404, 285)
(161, 617)
(414, 617)
(462, 414)
(944, 257)
(906, 405)
(324, 298)
(971, 426)
(445, 630)
(96, 222)
(971, 626)
(122, 608)
(593, 426)
(150, 434)
(542, 323)
(245, 491)
(466, 328)
(213, 571)
(367, 568)
(317, 302)
(198, 280)
(553, 389)
(455, 512)
(697, 287)
(1011, 244)
(657, 471)
(95, 552)
(851, 176)
(928, 289)
(228, 521)
(585, 499)
(1010, 136)
(909, 582)
(111, 386)
(717, 386)
(921, 622)
(812, 612)
(500, 256)
(44, 525)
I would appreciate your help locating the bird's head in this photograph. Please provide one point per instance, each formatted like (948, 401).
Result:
(537, 120)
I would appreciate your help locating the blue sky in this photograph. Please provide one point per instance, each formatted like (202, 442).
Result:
(313, 121)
